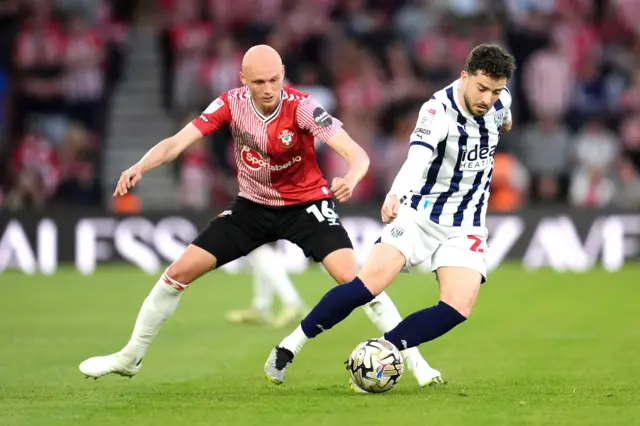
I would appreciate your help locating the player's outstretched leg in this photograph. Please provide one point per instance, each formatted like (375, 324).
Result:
(159, 305)
(459, 289)
(270, 277)
(382, 266)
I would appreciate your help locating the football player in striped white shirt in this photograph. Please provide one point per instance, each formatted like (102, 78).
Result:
(435, 211)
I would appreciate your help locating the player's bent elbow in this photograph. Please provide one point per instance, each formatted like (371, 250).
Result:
(364, 158)
(366, 161)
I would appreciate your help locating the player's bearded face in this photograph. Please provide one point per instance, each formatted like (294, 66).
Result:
(480, 92)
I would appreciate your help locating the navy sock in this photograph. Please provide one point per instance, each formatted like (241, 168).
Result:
(335, 306)
(424, 325)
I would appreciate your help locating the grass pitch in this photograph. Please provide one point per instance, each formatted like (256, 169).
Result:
(540, 349)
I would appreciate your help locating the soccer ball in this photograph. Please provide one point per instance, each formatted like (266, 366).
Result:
(375, 365)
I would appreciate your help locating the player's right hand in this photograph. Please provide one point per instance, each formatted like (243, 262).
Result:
(342, 189)
(128, 179)
(390, 208)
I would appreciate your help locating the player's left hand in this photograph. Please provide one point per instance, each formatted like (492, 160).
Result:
(507, 126)
(342, 189)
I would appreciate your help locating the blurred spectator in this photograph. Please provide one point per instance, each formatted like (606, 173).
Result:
(83, 187)
(520, 10)
(359, 90)
(80, 184)
(220, 72)
(545, 150)
(596, 152)
(280, 39)
(628, 12)
(9, 23)
(574, 32)
(596, 146)
(35, 170)
(431, 55)
(28, 191)
(412, 20)
(189, 38)
(309, 82)
(465, 8)
(592, 92)
(84, 79)
(591, 187)
(627, 194)
(39, 55)
(630, 98)
(630, 133)
(548, 81)
(403, 84)
(614, 29)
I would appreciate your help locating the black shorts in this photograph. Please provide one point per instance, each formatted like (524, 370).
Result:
(245, 225)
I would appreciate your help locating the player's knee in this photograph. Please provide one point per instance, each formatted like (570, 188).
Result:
(191, 265)
(179, 274)
(342, 265)
(184, 273)
(461, 306)
(375, 283)
(346, 276)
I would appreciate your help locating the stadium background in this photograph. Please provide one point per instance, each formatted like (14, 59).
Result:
(87, 86)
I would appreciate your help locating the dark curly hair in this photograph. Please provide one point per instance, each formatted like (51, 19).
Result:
(490, 60)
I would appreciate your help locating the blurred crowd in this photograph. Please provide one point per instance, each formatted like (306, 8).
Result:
(60, 61)
(576, 137)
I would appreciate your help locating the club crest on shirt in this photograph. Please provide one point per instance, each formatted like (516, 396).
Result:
(498, 118)
(427, 119)
(286, 139)
(397, 232)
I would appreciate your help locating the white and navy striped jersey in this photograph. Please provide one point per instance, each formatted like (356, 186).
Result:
(453, 186)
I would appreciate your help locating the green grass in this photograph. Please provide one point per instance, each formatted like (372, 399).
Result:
(540, 349)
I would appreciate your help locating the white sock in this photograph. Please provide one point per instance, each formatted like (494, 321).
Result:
(262, 293)
(385, 316)
(159, 305)
(265, 263)
(294, 341)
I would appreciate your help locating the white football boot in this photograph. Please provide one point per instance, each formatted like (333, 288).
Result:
(117, 363)
(424, 374)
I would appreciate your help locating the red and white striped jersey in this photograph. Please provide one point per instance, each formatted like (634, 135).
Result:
(275, 155)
